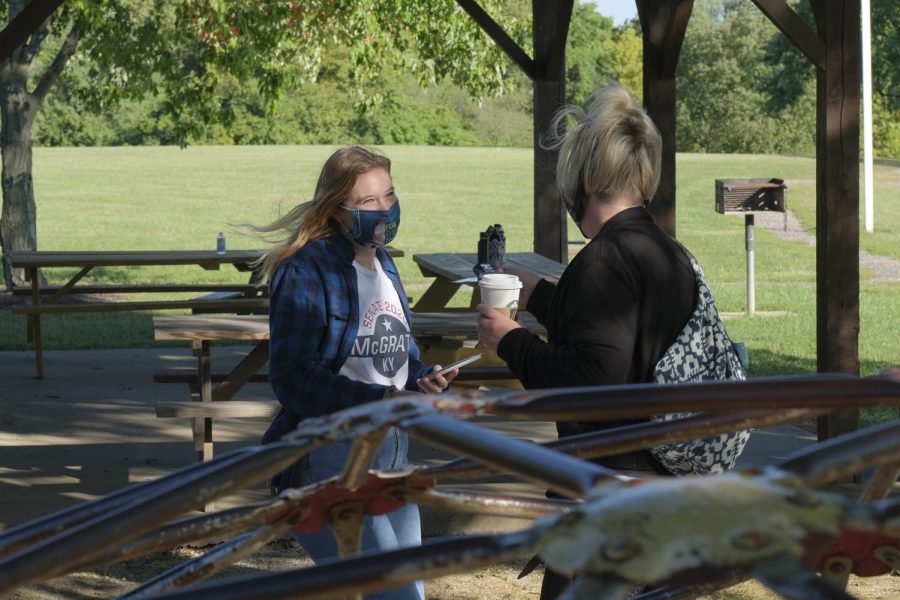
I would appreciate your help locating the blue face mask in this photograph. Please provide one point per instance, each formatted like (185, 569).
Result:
(373, 228)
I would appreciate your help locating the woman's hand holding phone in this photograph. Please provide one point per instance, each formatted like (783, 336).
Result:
(440, 377)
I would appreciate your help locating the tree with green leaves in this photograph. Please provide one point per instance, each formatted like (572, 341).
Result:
(625, 52)
(180, 51)
(722, 76)
(587, 52)
(886, 75)
(744, 87)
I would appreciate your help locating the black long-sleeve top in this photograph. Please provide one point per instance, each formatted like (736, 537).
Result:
(618, 306)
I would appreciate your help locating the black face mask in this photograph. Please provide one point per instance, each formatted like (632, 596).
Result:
(575, 207)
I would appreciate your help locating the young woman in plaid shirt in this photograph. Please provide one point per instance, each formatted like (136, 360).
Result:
(340, 331)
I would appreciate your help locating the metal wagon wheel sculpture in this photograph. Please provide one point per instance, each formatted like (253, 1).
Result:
(682, 535)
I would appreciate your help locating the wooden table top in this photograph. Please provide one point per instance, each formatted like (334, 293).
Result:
(139, 258)
(461, 323)
(459, 265)
(131, 258)
(256, 327)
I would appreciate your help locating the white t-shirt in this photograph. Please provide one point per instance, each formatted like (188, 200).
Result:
(380, 353)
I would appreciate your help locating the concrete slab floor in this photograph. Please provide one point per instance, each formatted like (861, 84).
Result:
(89, 428)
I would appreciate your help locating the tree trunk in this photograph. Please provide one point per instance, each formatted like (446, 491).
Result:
(18, 230)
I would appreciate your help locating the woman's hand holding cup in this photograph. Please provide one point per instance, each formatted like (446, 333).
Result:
(529, 280)
(492, 326)
(500, 300)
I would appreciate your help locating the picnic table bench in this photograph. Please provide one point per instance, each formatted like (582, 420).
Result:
(233, 409)
(201, 331)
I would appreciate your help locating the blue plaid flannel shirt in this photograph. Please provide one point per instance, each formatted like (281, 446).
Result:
(313, 322)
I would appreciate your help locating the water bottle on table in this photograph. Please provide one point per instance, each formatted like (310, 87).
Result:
(491, 250)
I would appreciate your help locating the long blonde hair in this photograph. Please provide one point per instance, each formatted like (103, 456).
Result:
(614, 147)
(311, 220)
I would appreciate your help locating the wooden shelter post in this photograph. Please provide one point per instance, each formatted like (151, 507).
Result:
(663, 23)
(550, 27)
(835, 50)
(837, 199)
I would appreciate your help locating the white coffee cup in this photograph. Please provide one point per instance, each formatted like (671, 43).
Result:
(501, 290)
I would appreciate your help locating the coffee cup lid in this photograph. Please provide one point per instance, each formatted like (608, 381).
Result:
(504, 281)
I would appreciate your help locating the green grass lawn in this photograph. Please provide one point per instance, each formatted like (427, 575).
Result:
(168, 198)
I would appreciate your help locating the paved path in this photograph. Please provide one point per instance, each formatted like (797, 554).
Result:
(788, 227)
(90, 428)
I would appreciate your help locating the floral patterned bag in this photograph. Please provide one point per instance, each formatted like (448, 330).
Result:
(702, 352)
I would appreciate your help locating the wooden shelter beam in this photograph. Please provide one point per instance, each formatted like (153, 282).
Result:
(663, 23)
(837, 199)
(556, 56)
(674, 38)
(795, 29)
(549, 36)
(500, 37)
(24, 24)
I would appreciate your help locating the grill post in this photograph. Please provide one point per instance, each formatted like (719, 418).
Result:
(750, 237)
(747, 197)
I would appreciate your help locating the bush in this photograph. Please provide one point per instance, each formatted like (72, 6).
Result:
(885, 129)
(314, 113)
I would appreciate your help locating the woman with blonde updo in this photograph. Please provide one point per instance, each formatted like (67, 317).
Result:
(627, 298)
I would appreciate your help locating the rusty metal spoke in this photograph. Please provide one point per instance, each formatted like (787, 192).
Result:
(362, 453)
(883, 515)
(590, 587)
(818, 392)
(347, 526)
(209, 564)
(845, 455)
(563, 474)
(889, 556)
(366, 573)
(35, 530)
(369, 418)
(837, 569)
(629, 438)
(193, 530)
(689, 592)
(881, 483)
(487, 503)
(789, 578)
(54, 555)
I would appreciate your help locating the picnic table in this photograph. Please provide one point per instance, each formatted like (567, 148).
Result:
(452, 270)
(201, 331)
(219, 297)
(45, 299)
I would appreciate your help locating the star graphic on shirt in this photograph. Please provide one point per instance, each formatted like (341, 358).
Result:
(386, 324)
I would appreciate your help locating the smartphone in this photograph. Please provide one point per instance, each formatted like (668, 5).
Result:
(457, 364)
